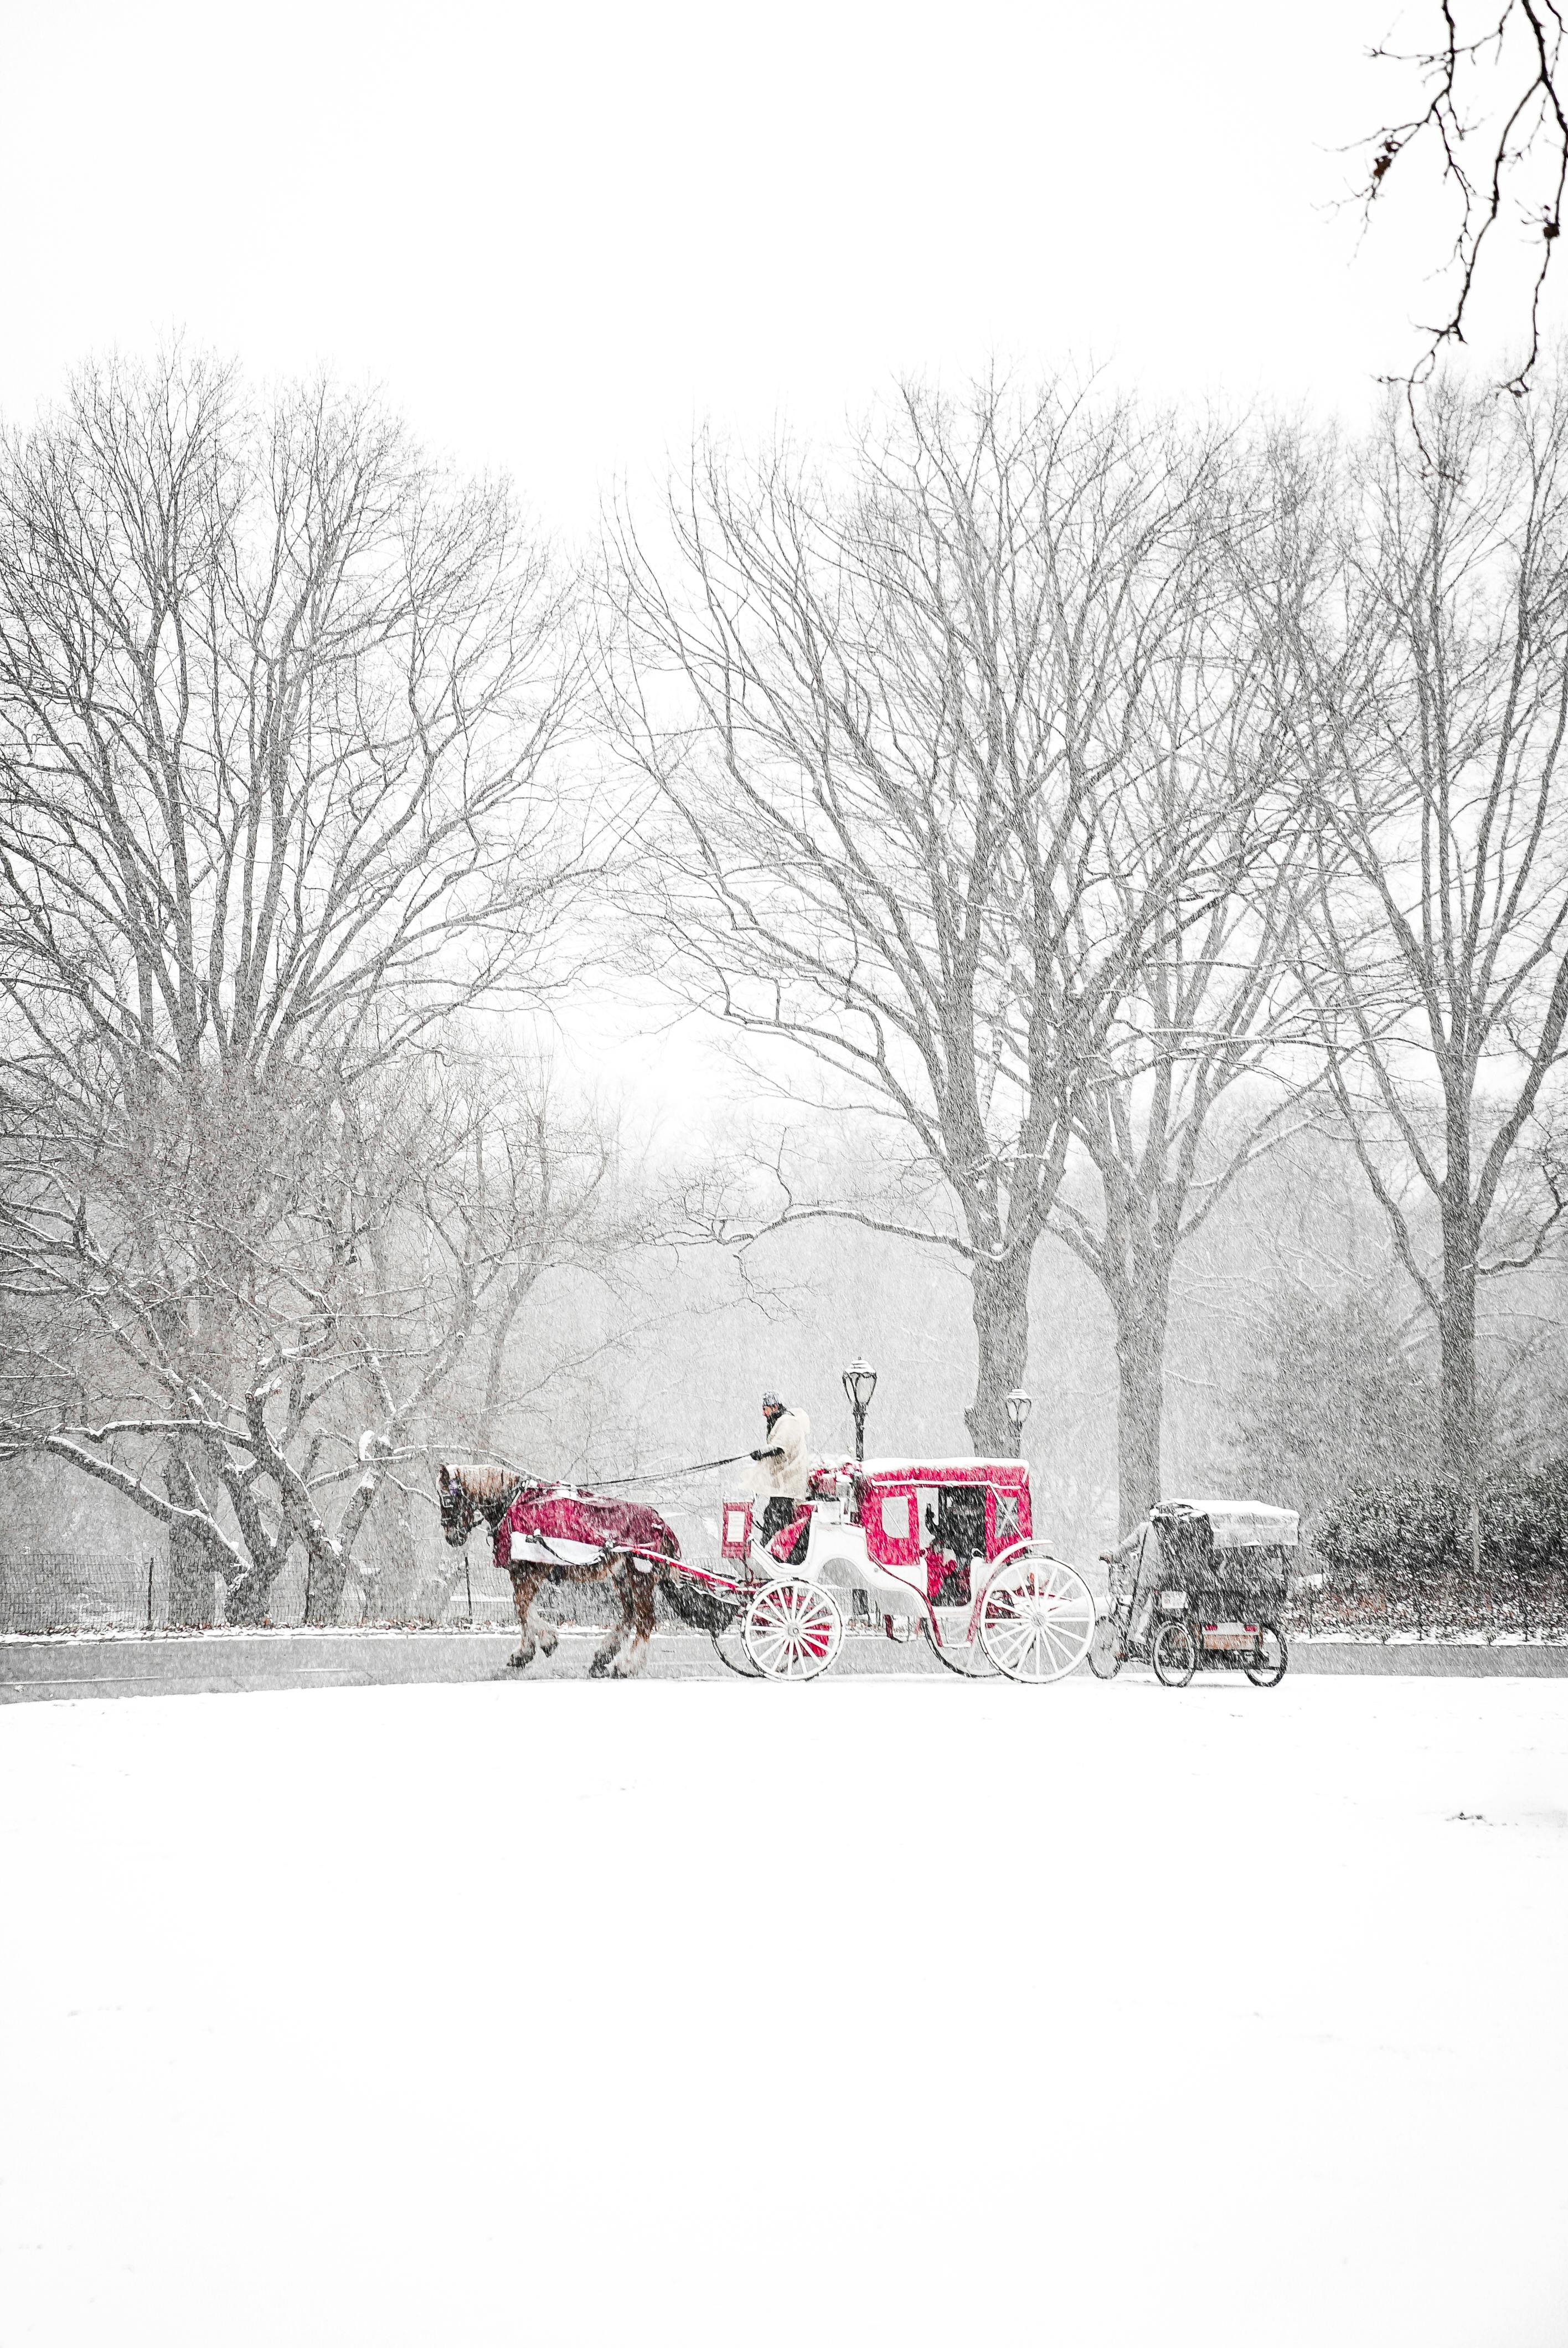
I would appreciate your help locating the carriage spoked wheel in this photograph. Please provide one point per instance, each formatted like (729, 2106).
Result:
(1273, 1656)
(1106, 1652)
(729, 1646)
(1037, 1620)
(1175, 1653)
(792, 1630)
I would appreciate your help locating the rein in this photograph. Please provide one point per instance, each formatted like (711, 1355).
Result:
(669, 1474)
(603, 1484)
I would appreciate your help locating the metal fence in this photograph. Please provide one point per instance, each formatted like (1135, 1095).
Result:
(45, 1592)
(48, 1592)
(1447, 1606)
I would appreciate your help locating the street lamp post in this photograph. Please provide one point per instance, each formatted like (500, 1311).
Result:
(1018, 1406)
(860, 1384)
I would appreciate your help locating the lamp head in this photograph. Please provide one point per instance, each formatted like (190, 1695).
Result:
(859, 1385)
(1018, 1406)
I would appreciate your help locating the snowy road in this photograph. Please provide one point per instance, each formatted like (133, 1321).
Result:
(224, 1662)
(882, 2011)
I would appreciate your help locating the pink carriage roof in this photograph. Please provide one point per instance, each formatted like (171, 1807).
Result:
(966, 1471)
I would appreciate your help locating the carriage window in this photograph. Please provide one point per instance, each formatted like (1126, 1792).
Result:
(896, 1508)
(1007, 1517)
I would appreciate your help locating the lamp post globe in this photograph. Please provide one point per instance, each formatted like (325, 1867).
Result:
(859, 1385)
(1018, 1406)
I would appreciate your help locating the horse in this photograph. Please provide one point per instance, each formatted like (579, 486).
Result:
(544, 1532)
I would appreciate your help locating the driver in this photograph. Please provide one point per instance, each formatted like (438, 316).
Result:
(782, 1469)
(1135, 1579)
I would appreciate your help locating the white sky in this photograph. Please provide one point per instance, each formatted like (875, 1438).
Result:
(556, 236)
(559, 237)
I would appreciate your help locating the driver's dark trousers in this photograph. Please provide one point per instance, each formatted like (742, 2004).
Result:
(780, 1509)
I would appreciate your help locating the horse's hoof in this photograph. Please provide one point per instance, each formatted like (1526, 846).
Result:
(547, 1645)
(516, 1663)
(601, 1668)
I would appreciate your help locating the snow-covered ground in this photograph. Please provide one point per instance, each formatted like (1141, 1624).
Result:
(880, 2011)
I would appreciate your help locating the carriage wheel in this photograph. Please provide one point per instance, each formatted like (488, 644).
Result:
(1036, 1620)
(1175, 1654)
(1271, 1657)
(792, 1630)
(965, 1657)
(729, 1646)
(1106, 1653)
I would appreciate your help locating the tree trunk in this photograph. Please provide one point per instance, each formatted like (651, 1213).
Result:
(192, 1571)
(1001, 1307)
(248, 1596)
(1458, 1440)
(326, 1579)
(1139, 1406)
(192, 1581)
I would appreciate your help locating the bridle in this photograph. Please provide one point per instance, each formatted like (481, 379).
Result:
(461, 1509)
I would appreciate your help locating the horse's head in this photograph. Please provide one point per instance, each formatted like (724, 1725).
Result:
(459, 1509)
(468, 1494)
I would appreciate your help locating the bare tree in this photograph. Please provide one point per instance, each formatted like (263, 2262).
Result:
(281, 717)
(1490, 114)
(1201, 1084)
(1204, 1070)
(278, 707)
(894, 721)
(256, 1385)
(1430, 702)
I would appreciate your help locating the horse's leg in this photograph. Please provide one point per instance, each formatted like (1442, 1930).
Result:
(639, 1595)
(546, 1633)
(605, 1661)
(525, 1589)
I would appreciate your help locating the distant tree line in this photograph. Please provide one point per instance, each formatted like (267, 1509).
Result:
(283, 712)
(1088, 790)
(1103, 809)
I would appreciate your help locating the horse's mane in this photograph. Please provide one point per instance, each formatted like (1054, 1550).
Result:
(488, 1482)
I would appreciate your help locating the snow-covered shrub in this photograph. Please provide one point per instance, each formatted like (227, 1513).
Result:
(1421, 1529)
(1401, 1556)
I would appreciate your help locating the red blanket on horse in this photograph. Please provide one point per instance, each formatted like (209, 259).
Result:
(555, 1524)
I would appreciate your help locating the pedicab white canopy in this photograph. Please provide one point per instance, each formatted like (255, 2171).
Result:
(1242, 1524)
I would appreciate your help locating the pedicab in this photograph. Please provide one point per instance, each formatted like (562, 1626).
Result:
(1200, 1585)
(899, 1549)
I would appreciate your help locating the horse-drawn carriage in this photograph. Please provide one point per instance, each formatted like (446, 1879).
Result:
(901, 1548)
(905, 1549)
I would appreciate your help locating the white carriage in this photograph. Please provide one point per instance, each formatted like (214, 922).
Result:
(902, 1549)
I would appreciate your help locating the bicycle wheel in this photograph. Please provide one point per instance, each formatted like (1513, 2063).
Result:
(1106, 1653)
(1273, 1656)
(1175, 1654)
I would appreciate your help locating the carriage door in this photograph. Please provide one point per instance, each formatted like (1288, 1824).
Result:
(928, 1506)
(963, 1521)
(961, 1536)
(894, 1533)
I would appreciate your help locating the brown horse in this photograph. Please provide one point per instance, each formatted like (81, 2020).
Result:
(602, 1535)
